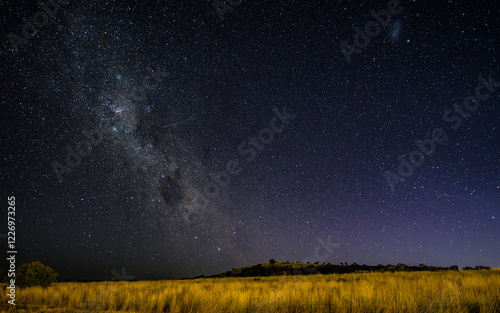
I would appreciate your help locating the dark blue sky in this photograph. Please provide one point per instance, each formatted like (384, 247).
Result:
(156, 137)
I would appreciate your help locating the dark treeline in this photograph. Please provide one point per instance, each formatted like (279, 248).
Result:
(286, 268)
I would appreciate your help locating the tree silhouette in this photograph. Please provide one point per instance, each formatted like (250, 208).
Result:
(35, 274)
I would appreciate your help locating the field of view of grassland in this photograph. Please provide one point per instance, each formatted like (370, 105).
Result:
(443, 291)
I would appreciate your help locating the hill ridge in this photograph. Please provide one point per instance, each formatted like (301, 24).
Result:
(274, 268)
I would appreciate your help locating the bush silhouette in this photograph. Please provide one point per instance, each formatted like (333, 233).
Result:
(35, 274)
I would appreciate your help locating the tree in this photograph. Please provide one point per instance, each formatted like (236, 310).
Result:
(401, 267)
(35, 274)
(272, 261)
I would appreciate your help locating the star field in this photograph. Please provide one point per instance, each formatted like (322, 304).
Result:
(157, 137)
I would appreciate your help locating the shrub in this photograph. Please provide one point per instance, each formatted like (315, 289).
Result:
(35, 274)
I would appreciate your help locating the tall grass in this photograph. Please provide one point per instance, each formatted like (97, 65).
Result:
(450, 291)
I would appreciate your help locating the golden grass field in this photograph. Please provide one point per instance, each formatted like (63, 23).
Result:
(448, 291)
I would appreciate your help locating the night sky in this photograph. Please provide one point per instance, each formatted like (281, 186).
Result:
(174, 138)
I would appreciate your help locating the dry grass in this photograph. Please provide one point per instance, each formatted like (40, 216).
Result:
(457, 292)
